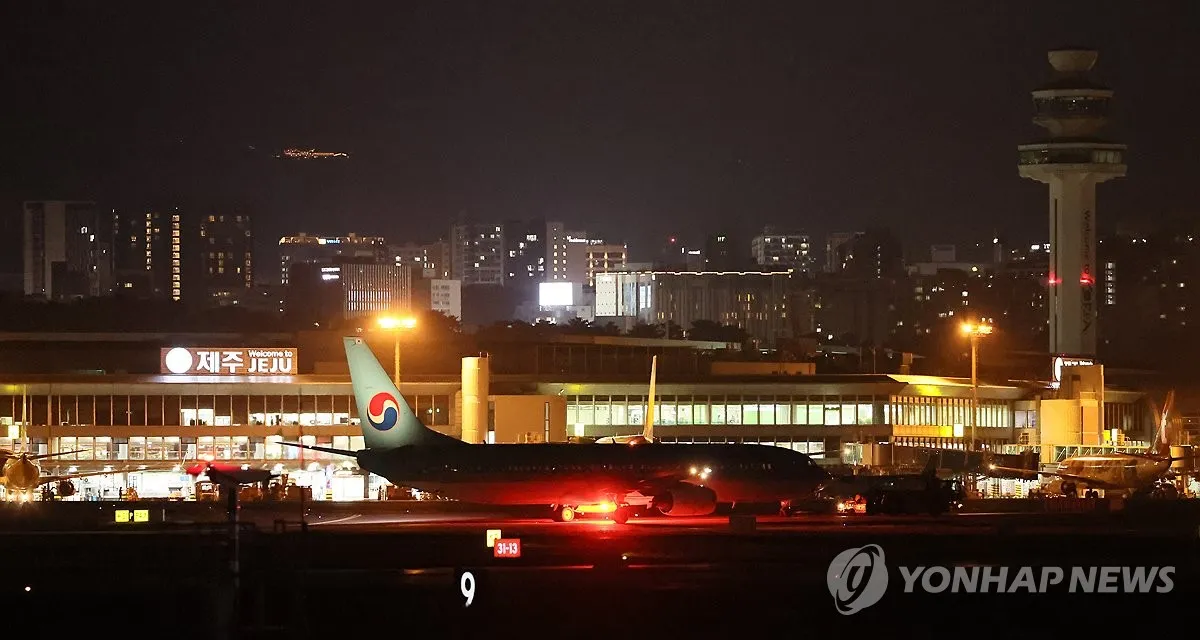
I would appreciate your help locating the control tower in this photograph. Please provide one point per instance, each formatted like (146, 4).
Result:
(1072, 160)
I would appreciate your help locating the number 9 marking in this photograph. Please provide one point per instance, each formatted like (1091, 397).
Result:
(466, 585)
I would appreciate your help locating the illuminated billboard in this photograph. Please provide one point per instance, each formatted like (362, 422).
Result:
(556, 294)
(1067, 361)
(214, 361)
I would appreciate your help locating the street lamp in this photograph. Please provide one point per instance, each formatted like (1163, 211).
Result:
(396, 325)
(975, 331)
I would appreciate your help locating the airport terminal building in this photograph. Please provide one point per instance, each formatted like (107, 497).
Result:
(236, 403)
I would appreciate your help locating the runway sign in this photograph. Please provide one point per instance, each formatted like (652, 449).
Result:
(507, 548)
(492, 536)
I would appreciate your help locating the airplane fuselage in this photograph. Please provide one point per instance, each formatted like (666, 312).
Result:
(573, 474)
(1114, 471)
(21, 474)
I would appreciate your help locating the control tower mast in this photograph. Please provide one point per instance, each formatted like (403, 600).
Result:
(1072, 161)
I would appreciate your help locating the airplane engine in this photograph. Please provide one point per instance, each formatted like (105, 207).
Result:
(65, 488)
(686, 500)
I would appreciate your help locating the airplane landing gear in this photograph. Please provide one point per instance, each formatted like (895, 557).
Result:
(785, 508)
(563, 513)
(621, 515)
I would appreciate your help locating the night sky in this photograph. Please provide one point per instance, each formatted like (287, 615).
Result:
(635, 120)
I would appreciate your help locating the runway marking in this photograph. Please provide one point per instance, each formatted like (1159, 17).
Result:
(339, 520)
(442, 571)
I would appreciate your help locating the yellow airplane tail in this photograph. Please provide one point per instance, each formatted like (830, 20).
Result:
(648, 429)
(1161, 446)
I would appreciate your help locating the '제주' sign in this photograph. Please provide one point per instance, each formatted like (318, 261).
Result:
(220, 361)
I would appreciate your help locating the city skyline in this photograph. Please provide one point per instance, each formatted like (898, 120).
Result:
(786, 119)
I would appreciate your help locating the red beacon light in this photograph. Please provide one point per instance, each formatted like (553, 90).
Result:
(1085, 279)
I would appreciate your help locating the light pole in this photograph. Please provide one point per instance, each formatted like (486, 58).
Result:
(974, 332)
(396, 325)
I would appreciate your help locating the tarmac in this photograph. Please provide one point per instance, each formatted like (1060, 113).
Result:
(363, 567)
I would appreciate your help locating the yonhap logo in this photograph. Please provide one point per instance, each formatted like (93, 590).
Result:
(857, 578)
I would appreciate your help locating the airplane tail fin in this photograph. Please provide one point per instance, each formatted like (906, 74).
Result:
(1161, 446)
(931, 465)
(384, 416)
(648, 429)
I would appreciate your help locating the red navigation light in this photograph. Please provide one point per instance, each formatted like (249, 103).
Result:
(1085, 279)
(1054, 280)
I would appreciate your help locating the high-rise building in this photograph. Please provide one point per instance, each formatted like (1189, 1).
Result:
(562, 251)
(323, 293)
(477, 254)
(833, 246)
(427, 260)
(326, 250)
(226, 246)
(602, 258)
(154, 253)
(67, 250)
(575, 257)
(369, 289)
(722, 254)
(132, 267)
(1072, 161)
(445, 296)
(527, 253)
(871, 254)
(775, 249)
(755, 301)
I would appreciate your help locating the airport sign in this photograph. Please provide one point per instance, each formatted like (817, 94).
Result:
(492, 536)
(1061, 361)
(125, 516)
(507, 548)
(222, 361)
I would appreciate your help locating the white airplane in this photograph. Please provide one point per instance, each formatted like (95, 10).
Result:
(1114, 472)
(21, 475)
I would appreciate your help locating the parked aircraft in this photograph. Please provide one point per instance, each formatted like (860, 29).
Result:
(1114, 472)
(683, 480)
(22, 475)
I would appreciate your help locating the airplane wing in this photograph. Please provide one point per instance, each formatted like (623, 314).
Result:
(313, 447)
(71, 476)
(1021, 473)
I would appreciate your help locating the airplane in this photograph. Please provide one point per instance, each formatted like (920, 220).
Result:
(683, 480)
(895, 493)
(848, 486)
(647, 435)
(1118, 472)
(21, 475)
(229, 475)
